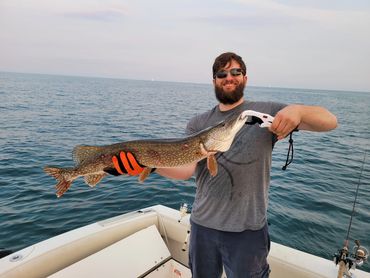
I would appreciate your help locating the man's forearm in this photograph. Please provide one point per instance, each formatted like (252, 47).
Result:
(313, 118)
(179, 173)
(316, 118)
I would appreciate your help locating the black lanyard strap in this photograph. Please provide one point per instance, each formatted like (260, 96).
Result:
(290, 154)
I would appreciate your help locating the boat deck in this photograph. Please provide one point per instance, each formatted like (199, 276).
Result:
(148, 243)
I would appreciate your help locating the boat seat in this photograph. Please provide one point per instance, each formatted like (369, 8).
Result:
(132, 256)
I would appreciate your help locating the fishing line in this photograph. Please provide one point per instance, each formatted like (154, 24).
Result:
(354, 203)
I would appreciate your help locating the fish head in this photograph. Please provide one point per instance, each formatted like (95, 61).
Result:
(220, 137)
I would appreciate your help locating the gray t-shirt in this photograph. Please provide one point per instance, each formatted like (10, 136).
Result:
(236, 198)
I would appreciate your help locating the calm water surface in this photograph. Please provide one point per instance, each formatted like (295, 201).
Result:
(43, 117)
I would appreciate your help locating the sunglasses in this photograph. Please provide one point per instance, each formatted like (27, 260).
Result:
(223, 73)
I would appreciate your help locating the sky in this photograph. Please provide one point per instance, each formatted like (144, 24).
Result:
(285, 43)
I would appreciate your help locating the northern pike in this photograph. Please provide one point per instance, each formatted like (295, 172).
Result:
(94, 162)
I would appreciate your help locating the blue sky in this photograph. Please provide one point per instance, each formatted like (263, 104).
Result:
(285, 43)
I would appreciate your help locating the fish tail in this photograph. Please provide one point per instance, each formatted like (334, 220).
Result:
(60, 175)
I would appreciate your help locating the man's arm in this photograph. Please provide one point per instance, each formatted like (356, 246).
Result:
(312, 118)
(179, 173)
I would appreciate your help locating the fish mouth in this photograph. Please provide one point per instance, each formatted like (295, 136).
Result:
(244, 115)
(238, 123)
(240, 120)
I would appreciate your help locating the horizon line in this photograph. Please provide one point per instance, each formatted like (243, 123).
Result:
(188, 82)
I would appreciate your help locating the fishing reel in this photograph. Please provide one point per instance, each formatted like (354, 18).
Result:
(352, 260)
(360, 254)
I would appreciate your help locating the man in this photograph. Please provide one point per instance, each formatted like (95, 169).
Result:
(229, 222)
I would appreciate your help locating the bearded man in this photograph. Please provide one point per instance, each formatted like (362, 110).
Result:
(229, 216)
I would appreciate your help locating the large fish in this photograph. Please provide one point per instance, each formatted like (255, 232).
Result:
(94, 162)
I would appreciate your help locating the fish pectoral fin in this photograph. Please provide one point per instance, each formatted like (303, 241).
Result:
(212, 165)
(144, 174)
(94, 179)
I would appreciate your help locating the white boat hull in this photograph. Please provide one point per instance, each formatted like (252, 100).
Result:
(151, 243)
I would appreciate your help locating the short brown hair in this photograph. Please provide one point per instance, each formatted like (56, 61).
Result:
(222, 60)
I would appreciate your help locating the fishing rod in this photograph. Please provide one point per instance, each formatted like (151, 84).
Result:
(359, 254)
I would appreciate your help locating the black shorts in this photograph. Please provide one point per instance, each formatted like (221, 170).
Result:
(241, 254)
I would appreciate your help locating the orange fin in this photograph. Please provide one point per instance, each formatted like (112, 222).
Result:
(58, 173)
(212, 165)
(144, 174)
(94, 179)
(62, 186)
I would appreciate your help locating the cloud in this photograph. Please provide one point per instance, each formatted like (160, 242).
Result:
(305, 11)
(82, 9)
(106, 14)
(285, 42)
(247, 20)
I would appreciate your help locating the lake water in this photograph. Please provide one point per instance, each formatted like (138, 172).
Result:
(43, 117)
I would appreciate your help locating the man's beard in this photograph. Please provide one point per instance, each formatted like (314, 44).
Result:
(230, 97)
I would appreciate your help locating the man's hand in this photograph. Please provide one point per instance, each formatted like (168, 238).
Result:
(127, 164)
(303, 117)
(286, 120)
